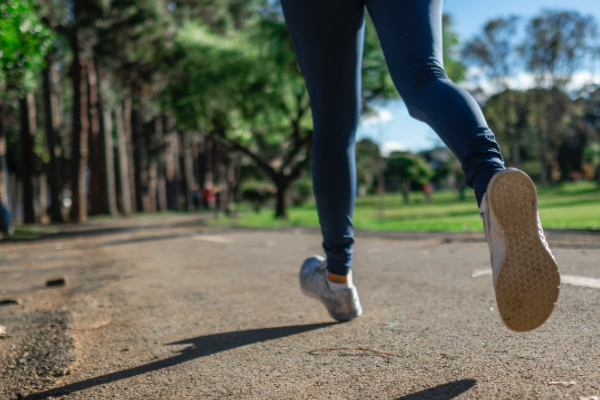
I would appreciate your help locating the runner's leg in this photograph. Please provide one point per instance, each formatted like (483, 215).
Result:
(410, 33)
(328, 39)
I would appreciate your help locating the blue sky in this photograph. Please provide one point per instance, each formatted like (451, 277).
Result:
(396, 129)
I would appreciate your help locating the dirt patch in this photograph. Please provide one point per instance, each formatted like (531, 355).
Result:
(37, 353)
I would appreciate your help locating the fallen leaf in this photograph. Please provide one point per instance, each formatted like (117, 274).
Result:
(92, 327)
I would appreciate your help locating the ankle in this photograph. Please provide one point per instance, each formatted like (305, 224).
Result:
(334, 278)
(341, 281)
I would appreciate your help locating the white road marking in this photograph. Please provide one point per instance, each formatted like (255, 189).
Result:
(214, 239)
(580, 281)
(573, 280)
(481, 272)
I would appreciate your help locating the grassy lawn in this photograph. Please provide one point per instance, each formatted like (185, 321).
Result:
(569, 206)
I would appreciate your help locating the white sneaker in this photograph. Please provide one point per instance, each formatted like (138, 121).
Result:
(525, 273)
(342, 304)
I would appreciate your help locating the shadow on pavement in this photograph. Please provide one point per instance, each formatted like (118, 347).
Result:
(200, 347)
(146, 239)
(446, 391)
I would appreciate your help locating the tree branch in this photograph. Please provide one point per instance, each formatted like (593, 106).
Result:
(256, 158)
(298, 168)
(298, 145)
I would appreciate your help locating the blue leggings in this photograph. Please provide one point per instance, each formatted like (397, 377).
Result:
(328, 39)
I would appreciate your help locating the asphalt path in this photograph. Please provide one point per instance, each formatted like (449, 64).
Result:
(170, 309)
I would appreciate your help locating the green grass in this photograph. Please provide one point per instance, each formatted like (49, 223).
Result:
(568, 206)
(33, 231)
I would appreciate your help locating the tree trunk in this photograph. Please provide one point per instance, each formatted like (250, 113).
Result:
(544, 176)
(27, 107)
(232, 179)
(171, 165)
(150, 130)
(207, 166)
(109, 161)
(97, 161)
(5, 197)
(161, 182)
(52, 120)
(187, 168)
(283, 188)
(551, 166)
(123, 163)
(216, 173)
(380, 190)
(14, 194)
(127, 107)
(79, 137)
(516, 153)
(405, 191)
(140, 172)
(43, 196)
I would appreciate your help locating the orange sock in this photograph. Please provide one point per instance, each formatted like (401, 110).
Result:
(337, 278)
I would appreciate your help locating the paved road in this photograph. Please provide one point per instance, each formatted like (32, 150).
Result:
(166, 308)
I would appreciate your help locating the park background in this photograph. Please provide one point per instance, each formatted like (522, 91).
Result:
(133, 108)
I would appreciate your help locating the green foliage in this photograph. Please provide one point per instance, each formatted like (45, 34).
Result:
(222, 17)
(248, 85)
(303, 191)
(369, 163)
(455, 69)
(23, 47)
(377, 83)
(591, 153)
(508, 114)
(257, 194)
(406, 167)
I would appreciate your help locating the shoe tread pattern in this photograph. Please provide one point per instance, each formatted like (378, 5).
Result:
(527, 283)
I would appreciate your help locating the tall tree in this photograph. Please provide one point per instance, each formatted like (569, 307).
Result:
(508, 114)
(123, 163)
(25, 41)
(369, 164)
(28, 128)
(494, 51)
(557, 44)
(407, 168)
(82, 35)
(79, 136)
(52, 124)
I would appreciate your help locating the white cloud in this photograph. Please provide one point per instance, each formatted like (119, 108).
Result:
(388, 147)
(524, 81)
(379, 117)
(583, 78)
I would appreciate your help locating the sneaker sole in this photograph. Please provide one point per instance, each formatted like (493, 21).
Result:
(337, 317)
(528, 280)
